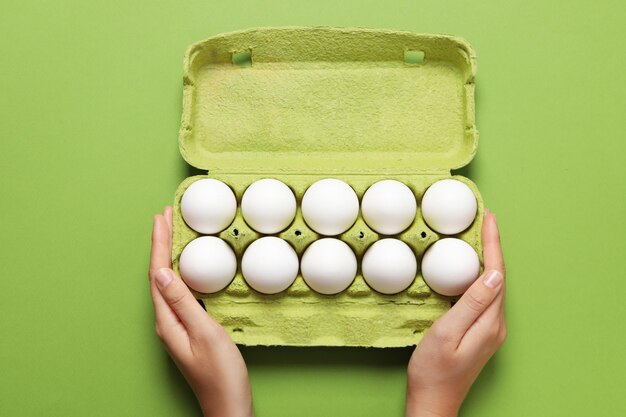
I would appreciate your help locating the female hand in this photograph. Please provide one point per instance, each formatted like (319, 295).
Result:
(458, 345)
(201, 348)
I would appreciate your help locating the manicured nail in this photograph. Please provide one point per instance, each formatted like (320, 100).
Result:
(163, 277)
(492, 279)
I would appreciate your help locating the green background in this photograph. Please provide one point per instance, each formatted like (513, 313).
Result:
(90, 101)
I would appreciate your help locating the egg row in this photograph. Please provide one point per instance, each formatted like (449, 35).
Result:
(328, 266)
(329, 206)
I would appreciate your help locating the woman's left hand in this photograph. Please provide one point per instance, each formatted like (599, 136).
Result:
(201, 348)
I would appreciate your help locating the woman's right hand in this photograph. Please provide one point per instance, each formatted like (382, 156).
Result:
(454, 350)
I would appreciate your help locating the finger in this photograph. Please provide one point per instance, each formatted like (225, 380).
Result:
(492, 249)
(181, 301)
(168, 214)
(487, 325)
(497, 307)
(160, 254)
(159, 259)
(487, 333)
(169, 327)
(470, 306)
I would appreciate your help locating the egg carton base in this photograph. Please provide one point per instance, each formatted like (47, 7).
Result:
(299, 316)
(327, 323)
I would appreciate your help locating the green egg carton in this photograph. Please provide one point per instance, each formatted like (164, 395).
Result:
(304, 103)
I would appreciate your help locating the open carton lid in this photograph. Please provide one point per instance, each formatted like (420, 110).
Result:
(328, 100)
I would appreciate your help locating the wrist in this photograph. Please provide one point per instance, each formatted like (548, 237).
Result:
(432, 403)
(226, 405)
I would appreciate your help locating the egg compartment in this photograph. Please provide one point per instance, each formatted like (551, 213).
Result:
(299, 316)
(301, 104)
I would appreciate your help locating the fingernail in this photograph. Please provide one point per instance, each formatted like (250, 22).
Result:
(492, 279)
(163, 277)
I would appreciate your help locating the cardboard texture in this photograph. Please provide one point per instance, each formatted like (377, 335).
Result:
(302, 104)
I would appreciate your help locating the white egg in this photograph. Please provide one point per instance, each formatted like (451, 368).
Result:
(268, 206)
(449, 206)
(207, 264)
(450, 266)
(328, 266)
(208, 206)
(389, 266)
(330, 206)
(269, 265)
(388, 207)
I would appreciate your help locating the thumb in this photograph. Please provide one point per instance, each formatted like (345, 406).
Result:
(180, 299)
(472, 304)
